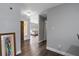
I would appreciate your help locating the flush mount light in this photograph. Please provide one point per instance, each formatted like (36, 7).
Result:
(28, 12)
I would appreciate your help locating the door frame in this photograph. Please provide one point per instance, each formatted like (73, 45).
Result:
(42, 28)
(22, 32)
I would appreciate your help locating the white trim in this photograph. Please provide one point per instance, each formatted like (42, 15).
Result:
(60, 52)
(18, 52)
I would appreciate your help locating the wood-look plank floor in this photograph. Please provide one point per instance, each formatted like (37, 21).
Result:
(38, 49)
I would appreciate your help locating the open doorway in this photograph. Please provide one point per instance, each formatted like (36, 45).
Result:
(34, 29)
(24, 31)
(29, 29)
(29, 46)
(42, 28)
(36, 34)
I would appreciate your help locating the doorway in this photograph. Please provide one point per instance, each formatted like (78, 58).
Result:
(24, 31)
(29, 46)
(42, 28)
(34, 43)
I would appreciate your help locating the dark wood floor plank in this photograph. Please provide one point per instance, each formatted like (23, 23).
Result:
(36, 50)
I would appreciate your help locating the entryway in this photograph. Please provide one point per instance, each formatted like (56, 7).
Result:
(31, 44)
(37, 35)
(24, 31)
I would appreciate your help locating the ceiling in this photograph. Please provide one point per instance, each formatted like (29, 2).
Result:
(38, 7)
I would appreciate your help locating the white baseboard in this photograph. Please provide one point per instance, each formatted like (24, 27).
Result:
(60, 52)
(18, 52)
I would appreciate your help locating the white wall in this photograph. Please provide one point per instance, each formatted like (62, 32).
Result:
(9, 21)
(62, 27)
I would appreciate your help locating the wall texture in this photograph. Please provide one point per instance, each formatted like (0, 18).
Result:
(62, 28)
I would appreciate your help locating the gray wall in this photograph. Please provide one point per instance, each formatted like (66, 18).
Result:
(62, 28)
(42, 28)
(9, 21)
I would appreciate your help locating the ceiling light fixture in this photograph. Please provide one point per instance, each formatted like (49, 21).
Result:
(28, 12)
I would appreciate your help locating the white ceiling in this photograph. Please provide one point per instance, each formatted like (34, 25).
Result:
(38, 7)
(35, 9)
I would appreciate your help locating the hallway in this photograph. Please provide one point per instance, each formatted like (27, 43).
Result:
(36, 49)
